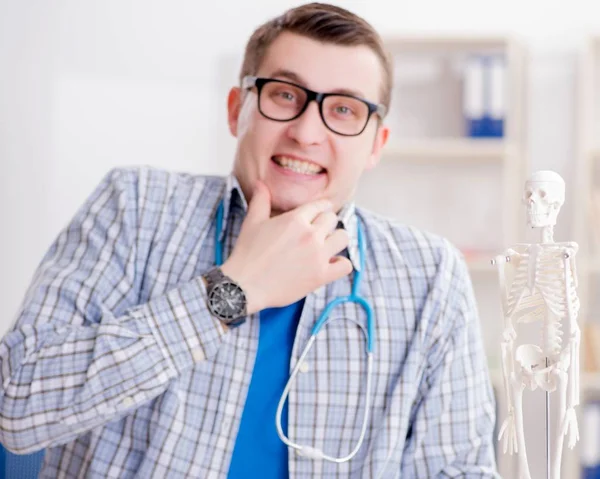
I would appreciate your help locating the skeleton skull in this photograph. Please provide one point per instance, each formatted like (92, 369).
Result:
(544, 195)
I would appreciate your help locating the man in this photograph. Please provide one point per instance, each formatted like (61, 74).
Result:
(158, 335)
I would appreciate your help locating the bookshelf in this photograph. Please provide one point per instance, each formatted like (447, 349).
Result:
(587, 210)
(586, 226)
(462, 149)
(433, 175)
(428, 139)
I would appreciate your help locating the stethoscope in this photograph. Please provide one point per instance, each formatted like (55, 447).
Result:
(369, 333)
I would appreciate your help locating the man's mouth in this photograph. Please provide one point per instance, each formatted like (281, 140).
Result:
(298, 166)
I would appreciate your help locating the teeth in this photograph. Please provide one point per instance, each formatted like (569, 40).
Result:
(298, 166)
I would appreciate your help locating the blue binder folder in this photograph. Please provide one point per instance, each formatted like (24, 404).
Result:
(590, 441)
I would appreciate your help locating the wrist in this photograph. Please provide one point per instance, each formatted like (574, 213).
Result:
(206, 285)
(253, 303)
(226, 299)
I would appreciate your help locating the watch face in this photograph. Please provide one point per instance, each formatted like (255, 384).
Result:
(227, 300)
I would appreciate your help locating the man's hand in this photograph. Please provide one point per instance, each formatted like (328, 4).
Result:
(279, 260)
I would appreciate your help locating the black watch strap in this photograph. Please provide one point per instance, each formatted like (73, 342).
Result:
(225, 298)
(214, 276)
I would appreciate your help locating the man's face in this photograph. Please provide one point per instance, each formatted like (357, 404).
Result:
(266, 149)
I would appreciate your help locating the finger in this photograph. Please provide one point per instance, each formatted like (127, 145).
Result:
(309, 211)
(325, 223)
(338, 268)
(336, 242)
(501, 431)
(259, 208)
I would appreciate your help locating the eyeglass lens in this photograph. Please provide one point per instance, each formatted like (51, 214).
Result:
(342, 114)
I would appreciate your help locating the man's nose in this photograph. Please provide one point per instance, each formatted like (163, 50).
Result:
(308, 128)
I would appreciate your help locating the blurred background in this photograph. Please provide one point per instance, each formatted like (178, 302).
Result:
(485, 94)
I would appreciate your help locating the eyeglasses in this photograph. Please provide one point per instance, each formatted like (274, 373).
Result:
(280, 100)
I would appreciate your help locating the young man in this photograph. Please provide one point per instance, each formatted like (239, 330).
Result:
(161, 329)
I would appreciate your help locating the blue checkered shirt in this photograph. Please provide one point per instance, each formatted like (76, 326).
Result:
(115, 365)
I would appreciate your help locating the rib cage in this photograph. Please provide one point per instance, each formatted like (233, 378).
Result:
(527, 306)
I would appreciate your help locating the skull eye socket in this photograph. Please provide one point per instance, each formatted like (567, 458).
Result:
(528, 194)
(542, 194)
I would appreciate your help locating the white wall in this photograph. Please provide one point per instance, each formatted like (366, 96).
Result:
(85, 86)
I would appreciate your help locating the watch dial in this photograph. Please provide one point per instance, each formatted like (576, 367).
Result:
(227, 300)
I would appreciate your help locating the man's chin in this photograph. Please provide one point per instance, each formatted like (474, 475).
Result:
(278, 209)
(279, 206)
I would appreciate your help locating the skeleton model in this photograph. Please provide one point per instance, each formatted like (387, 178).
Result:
(538, 285)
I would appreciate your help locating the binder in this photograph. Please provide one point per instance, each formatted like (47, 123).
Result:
(484, 96)
(590, 440)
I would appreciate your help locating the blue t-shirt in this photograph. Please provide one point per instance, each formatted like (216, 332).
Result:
(258, 451)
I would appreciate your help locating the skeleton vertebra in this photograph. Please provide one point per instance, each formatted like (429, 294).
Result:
(543, 289)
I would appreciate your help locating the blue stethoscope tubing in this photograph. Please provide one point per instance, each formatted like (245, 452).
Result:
(353, 297)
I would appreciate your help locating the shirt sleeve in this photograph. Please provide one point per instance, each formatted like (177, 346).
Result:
(82, 351)
(452, 427)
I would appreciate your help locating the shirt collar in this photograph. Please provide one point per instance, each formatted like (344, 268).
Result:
(234, 197)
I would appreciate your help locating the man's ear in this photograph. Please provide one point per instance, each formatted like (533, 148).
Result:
(234, 105)
(381, 138)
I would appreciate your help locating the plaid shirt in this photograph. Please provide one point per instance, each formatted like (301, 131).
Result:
(116, 366)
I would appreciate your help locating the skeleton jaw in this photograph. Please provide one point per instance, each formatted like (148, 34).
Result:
(540, 217)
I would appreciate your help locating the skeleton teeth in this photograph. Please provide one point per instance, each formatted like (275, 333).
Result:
(298, 166)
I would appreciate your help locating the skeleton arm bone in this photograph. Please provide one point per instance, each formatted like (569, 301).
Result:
(575, 333)
(570, 419)
(508, 429)
(574, 247)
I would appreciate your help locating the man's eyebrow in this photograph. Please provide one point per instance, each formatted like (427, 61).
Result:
(294, 77)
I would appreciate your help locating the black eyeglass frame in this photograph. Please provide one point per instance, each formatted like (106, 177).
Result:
(250, 81)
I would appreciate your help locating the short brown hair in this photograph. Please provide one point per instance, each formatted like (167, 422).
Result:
(322, 22)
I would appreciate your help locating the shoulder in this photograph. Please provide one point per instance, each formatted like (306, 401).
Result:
(151, 187)
(569, 247)
(159, 178)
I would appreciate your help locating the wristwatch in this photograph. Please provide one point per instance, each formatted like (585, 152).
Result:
(226, 298)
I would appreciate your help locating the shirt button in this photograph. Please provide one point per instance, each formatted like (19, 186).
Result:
(304, 367)
(198, 355)
(128, 401)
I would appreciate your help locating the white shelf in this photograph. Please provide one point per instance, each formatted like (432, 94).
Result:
(467, 149)
(451, 42)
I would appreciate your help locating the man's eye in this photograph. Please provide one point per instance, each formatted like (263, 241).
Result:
(343, 111)
(286, 95)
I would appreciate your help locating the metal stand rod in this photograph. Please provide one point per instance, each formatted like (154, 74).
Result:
(547, 431)
(547, 435)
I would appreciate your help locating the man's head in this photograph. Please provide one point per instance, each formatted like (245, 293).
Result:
(300, 149)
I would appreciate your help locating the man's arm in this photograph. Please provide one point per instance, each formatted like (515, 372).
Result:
(453, 418)
(82, 352)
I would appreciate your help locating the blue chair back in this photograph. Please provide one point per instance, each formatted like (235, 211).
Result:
(20, 466)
